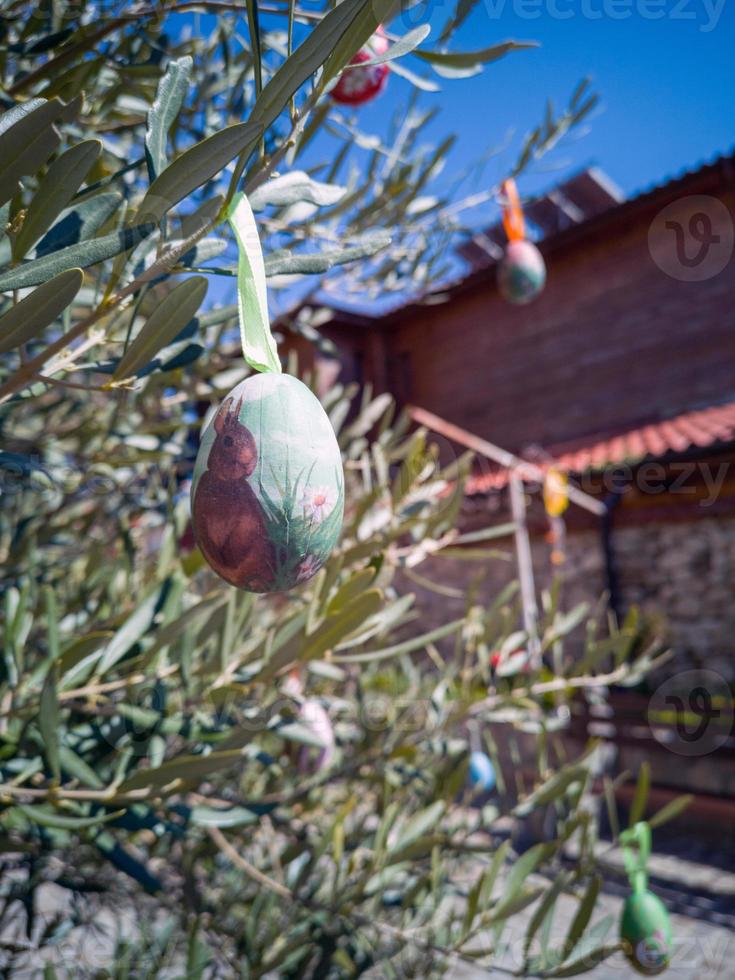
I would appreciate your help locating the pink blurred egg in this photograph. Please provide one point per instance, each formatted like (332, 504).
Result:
(359, 85)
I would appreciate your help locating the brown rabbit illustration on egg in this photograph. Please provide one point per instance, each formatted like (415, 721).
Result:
(229, 522)
(268, 485)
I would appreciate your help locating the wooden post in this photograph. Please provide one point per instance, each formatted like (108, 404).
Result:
(518, 470)
(529, 471)
(525, 566)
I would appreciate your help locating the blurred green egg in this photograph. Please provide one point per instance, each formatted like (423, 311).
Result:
(645, 931)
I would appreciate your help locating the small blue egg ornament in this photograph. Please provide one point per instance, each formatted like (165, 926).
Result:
(482, 772)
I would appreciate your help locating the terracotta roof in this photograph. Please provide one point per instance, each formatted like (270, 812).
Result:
(698, 429)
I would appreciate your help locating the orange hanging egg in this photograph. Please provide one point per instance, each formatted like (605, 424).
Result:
(522, 270)
(521, 273)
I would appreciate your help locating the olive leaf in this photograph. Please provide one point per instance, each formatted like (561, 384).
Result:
(27, 140)
(79, 222)
(170, 96)
(552, 789)
(18, 112)
(404, 45)
(197, 165)
(63, 179)
(235, 816)
(584, 914)
(184, 767)
(279, 263)
(28, 318)
(81, 255)
(670, 810)
(28, 137)
(48, 722)
(170, 317)
(469, 59)
(293, 187)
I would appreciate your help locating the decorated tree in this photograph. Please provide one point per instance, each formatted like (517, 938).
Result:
(197, 779)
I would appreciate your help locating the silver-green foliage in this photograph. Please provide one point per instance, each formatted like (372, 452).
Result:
(152, 757)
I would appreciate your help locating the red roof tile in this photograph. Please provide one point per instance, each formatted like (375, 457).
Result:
(698, 429)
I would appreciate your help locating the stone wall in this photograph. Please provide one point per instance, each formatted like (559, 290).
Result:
(681, 575)
(685, 572)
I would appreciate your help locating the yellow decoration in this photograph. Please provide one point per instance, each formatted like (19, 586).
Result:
(556, 493)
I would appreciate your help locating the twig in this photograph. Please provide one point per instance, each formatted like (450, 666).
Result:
(562, 683)
(107, 795)
(250, 870)
(353, 918)
(94, 689)
(68, 384)
(24, 375)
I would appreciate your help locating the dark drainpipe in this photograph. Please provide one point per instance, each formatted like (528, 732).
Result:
(611, 573)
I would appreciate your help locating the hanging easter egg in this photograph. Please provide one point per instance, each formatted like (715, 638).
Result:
(359, 85)
(508, 664)
(521, 273)
(313, 715)
(556, 492)
(645, 932)
(268, 487)
(481, 772)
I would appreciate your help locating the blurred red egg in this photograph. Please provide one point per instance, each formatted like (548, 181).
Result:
(357, 86)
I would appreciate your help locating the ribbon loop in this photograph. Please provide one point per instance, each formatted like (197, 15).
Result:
(636, 845)
(513, 221)
(258, 345)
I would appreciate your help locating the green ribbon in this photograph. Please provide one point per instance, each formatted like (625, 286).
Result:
(258, 346)
(636, 845)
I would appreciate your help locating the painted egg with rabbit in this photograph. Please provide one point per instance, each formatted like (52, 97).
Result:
(268, 486)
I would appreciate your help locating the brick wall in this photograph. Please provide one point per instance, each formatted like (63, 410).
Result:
(612, 341)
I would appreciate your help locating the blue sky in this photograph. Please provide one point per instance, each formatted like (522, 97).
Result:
(666, 85)
(662, 68)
